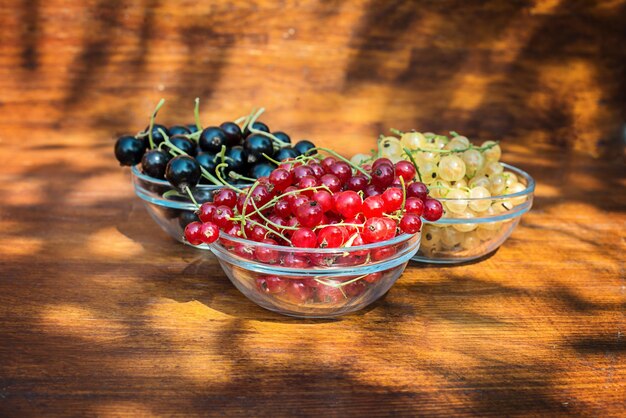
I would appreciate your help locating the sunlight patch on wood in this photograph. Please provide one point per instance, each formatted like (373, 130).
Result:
(109, 242)
(82, 322)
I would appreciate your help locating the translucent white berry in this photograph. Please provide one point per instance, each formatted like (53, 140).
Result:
(492, 154)
(359, 159)
(474, 161)
(483, 194)
(412, 140)
(459, 202)
(451, 168)
(516, 188)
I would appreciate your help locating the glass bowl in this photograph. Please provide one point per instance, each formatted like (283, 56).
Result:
(313, 282)
(457, 238)
(171, 213)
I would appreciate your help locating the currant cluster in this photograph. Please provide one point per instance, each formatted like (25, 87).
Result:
(234, 152)
(319, 203)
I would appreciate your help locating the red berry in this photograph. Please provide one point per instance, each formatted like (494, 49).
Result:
(296, 203)
(318, 170)
(244, 251)
(381, 161)
(382, 176)
(372, 190)
(341, 170)
(281, 179)
(225, 197)
(301, 171)
(391, 228)
(307, 182)
(355, 288)
(330, 237)
(206, 211)
(332, 182)
(192, 233)
(295, 261)
(373, 277)
(254, 232)
(310, 214)
(384, 253)
(393, 199)
(298, 292)
(410, 223)
(357, 183)
(432, 210)
(414, 205)
(265, 254)
(282, 208)
(234, 230)
(406, 170)
(418, 190)
(348, 203)
(327, 162)
(209, 232)
(374, 230)
(329, 294)
(271, 284)
(304, 238)
(222, 216)
(261, 195)
(373, 207)
(324, 199)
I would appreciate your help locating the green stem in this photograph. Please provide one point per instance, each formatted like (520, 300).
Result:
(345, 160)
(236, 176)
(245, 206)
(271, 159)
(230, 186)
(251, 128)
(417, 169)
(151, 126)
(339, 285)
(403, 194)
(196, 112)
(396, 131)
(193, 199)
(247, 120)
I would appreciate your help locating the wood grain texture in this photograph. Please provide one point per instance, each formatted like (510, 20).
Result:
(101, 314)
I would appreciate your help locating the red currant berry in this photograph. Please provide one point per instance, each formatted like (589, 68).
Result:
(332, 182)
(384, 253)
(261, 195)
(222, 216)
(318, 170)
(265, 254)
(209, 232)
(282, 208)
(310, 214)
(354, 289)
(418, 190)
(301, 171)
(432, 210)
(348, 203)
(254, 232)
(271, 284)
(296, 203)
(373, 277)
(330, 237)
(381, 161)
(298, 292)
(373, 207)
(281, 179)
(304, 238)
(244, 251)
(324, 199)
(391, 228)
(372, 190)
(410, 223)
(393, 199)
(234, 230)
(206, 211)
(382, 176)
(226, 197)
(414, 205)
(374, 230)
(341, 170)
(329, 294)
(406, 170)
(295, 261)
(357, 183)
(327, 162)
(192, 233)
(308, 182)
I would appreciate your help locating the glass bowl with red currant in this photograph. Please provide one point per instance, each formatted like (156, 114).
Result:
(177, 167)
(320, 236)
(483, 199)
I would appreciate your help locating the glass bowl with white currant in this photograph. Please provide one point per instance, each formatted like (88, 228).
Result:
(483, 198)
(319, 236)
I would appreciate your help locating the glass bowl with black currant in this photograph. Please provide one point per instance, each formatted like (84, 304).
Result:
(177, 167)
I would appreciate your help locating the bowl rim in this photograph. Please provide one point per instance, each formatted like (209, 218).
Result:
(530, 188)
(395, 240)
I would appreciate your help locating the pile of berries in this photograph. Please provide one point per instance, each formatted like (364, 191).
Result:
(233, 152)
(311, 202)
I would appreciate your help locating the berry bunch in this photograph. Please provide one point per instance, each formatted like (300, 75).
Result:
(310, 202)
(233, 152)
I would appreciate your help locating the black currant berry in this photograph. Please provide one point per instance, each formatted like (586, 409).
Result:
(187, 217)
(212, 139)
(233, 133)
(303, 146)
(285, 153)
(157, 137)
(184, 144)
(182, 171)
(259, 126)
(179, 130)
(192, 128)
(282, 136)
(202, 194)
(256, 145)
(237, 159)
(207, 161)
(129, 150)
(154, 162)
(262, 170)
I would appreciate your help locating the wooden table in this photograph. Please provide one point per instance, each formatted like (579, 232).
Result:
(102, 314)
